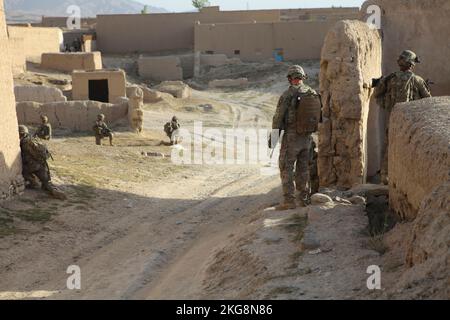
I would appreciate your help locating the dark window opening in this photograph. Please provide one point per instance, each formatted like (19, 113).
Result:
(209, 52)
(99, 90)
(237, 52)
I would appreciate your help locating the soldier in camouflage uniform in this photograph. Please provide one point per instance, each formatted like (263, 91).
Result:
(295, 154)
(44, 131)
(34, 164)
(102, 131)
(400, 86)
(171, 128)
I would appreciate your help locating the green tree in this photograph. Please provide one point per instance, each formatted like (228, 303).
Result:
(199, 4)
(145, 10)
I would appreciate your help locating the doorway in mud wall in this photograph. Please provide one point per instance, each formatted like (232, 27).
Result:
(99, 90)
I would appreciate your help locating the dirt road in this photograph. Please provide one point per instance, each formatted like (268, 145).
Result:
(143, 228)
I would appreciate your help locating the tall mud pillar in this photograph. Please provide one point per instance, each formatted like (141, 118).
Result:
(351, 58)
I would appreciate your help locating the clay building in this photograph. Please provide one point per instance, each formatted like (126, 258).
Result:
(125, 33)
(258, 41)
(107, 85)
(37, 41)
(11, 181)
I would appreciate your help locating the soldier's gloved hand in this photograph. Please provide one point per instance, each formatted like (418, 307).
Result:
(274, 137)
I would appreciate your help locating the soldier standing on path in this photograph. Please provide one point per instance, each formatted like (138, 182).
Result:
(295, 154)
(44, 131)
(400, 86)
(34, 164)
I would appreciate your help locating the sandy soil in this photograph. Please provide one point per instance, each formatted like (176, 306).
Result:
(143, 228)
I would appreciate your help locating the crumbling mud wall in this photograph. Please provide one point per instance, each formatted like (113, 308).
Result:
(428, 256)
(177, 89)
(351, 58)
(41, 94)
(74, 115)
(68, 62)
(11, 181)
(160, 68)
(136, 108)
(422, 26)
(17, 53)
(37, 40)
(419, 153)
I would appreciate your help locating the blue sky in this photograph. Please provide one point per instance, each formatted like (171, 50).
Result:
(185, 5)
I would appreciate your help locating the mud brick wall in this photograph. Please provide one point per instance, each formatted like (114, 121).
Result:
(68, 62)
(419, 153)
(11, 181)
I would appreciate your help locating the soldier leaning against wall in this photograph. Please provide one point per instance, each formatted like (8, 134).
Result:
(400, 86)
(35, 168)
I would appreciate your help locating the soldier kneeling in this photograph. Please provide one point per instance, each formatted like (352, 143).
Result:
(34, 163)
(44, 131)
(171, 129)
(102, 131)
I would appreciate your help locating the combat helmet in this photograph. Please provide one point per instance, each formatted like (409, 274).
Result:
(174, 118)
(101, 116)
(408, 58)
(23, 130)
(297, 72)
(44, 119)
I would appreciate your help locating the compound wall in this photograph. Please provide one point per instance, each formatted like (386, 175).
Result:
(41, 94)
(259, 41)
(68, 62)
(11, 181)
(74, 115)
(422, 26)
(164, 31)
(320, 14)
(61, 22)
(160, 68)
(17, 52)
(37, 40)
(419, 153)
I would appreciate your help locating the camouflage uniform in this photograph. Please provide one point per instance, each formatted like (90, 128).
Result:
(170, 128)
(44, 131)
(34, 163)
(400, 86)
(101, 130)
(295, 154)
